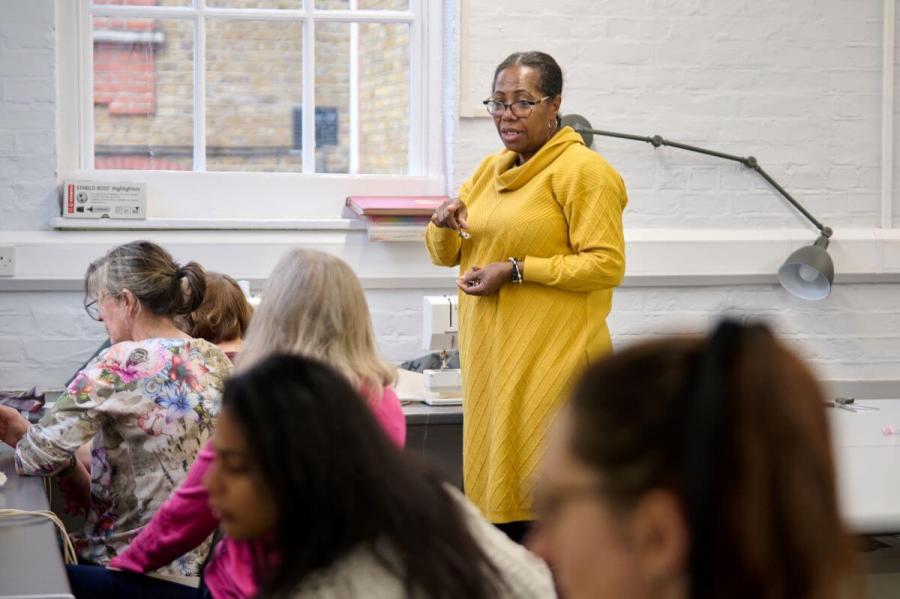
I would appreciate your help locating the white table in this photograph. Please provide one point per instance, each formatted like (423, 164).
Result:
(31, 564)
(868, 466)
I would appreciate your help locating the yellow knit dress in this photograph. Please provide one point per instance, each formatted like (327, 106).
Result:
(521, 348)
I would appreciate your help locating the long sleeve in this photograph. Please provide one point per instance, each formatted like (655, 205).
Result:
(389, 414)
(48, 447)
(592, 200)
(443, 245)
(182, 523)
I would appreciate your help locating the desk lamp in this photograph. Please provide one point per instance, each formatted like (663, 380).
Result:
(807, 273)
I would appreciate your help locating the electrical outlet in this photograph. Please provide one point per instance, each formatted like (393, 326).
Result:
(7, 260)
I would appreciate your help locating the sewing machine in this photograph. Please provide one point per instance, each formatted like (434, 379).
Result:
(439, 329)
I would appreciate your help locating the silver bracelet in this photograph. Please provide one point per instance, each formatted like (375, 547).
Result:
(516, 273)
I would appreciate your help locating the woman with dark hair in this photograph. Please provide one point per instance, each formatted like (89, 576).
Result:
(537, 235)
(145, 405)
(687, 468)
(302, 463)
(223, 317)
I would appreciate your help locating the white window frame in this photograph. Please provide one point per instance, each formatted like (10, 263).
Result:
(229, 197)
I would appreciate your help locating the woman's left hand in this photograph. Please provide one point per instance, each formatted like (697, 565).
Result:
(487, 280)
(75, 486)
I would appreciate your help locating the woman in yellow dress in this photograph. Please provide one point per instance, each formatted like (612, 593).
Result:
(537, 235)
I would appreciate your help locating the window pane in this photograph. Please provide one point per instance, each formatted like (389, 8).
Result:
(333, 97)
(384, 98)
(363, 4)
(332, 4)
(383, 4)
(143, 94)
(279, 4)
(142, 2)
(253, 95)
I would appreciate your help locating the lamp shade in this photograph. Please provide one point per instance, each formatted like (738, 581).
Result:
(808, 272)
(581, 126)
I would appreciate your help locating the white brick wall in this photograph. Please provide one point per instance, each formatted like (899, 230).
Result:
(27, 114)
(44, 337)
(854, 335)
(797, 84)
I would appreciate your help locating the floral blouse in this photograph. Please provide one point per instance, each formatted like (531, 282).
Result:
(148, 408)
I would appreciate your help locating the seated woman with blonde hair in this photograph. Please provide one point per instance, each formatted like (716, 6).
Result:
(695, 468)
(313, 304)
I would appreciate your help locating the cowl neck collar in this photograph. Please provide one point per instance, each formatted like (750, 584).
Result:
(509, 176)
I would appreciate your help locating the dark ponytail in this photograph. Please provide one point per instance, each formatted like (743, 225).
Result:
(735, 427)
(191, 280)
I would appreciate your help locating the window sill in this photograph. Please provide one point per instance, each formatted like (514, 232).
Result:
(281, 199)
(56, 259)
(207, 224)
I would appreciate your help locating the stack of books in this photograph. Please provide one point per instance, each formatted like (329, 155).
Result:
(395, 218)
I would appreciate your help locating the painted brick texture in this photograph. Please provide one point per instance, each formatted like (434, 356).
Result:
(796, 84)
(27, 114)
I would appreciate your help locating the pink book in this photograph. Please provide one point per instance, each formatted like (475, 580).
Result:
(398, 220)
(395, 205)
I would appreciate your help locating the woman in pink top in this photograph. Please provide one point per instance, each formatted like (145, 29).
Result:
(314, 306)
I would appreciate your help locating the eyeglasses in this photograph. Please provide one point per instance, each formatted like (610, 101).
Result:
(520, 108)
(93, 309)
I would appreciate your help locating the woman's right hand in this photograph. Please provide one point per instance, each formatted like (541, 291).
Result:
(451, 214)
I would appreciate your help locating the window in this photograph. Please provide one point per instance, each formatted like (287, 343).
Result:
(300, 87)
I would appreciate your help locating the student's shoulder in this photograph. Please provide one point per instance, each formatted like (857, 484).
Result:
(203, 346)
(125, 351)
(361, 572)
(151, 354)
(135, 357)
(526, 576)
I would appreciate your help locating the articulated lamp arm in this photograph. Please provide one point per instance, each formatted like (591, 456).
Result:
(808, 272)
(583, 127)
